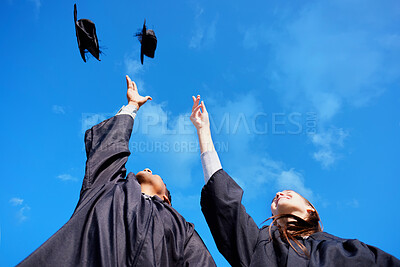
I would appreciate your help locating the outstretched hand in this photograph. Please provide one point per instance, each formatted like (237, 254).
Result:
(133, 95)
(199, 116)
(201, 121)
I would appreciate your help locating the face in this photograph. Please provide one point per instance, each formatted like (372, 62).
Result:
(151, 184)
(290, 202)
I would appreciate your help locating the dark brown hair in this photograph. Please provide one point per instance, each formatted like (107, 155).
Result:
(169, 196)
(297, 227)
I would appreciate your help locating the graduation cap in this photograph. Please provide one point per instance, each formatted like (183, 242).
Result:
(86, 35)
(148, 40)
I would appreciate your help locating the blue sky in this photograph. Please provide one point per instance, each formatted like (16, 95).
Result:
(302, 95)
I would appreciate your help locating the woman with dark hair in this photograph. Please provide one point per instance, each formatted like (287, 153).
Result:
(294, 238)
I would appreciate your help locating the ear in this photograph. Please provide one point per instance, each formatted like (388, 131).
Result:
(166, 199)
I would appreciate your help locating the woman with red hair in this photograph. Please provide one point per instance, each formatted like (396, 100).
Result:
(294, 238)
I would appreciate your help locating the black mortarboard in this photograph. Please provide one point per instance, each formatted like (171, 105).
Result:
(148, 40)
(86, 35)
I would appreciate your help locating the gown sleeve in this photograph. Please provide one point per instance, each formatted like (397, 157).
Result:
(234, 231)
(107, 151)
(348, 252)
(196, 252)
(382, 258)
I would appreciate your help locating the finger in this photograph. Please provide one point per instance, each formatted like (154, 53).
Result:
(145, 99)
(128, 81)
(134, 86)
(203, 106)
(195, 101)
(196, 110)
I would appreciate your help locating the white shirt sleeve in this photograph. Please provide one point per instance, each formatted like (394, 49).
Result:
(211, 164)
(128, 109)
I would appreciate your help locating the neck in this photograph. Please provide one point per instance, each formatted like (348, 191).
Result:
(285, 220)
(149, 190)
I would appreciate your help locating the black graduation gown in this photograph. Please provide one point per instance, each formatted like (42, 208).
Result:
(113, 223)
(242, 243)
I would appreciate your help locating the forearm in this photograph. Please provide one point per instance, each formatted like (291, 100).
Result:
(209, 157)
(205, 140)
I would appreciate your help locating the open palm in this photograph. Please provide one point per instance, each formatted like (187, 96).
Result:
(133, 94)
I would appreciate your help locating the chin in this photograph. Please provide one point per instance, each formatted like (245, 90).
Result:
(284, 209)
(142, 177)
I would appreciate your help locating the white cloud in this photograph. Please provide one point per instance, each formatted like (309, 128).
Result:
(254, 36)
(327, 142)
(261, 176)
(330, 107)
(196, 38)
(204, 35)
(37, 3)
(199, 11)
(15, 201)
(324, 62)
(325, 157)
(294, 180)
(58, 109)
(345, 204)
(353, 203)
(132, 66)
(22, 208)
(246, 162)
(205, 30)
(324, 66)
(135, 70)
(21, 214)
(66, 177)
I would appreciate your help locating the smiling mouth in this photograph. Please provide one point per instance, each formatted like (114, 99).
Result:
(283, 197)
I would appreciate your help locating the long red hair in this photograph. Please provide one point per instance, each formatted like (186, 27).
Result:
(297, 227)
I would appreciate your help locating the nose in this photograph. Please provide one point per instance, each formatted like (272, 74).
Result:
(279, 194)
(147, 170)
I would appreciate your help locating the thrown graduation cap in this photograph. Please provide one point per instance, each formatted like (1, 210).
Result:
(148, 40)
(86, 35)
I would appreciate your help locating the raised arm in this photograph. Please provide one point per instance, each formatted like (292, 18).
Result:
(107, 143)
(209, 157)
(201, 121)
(234, 231)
